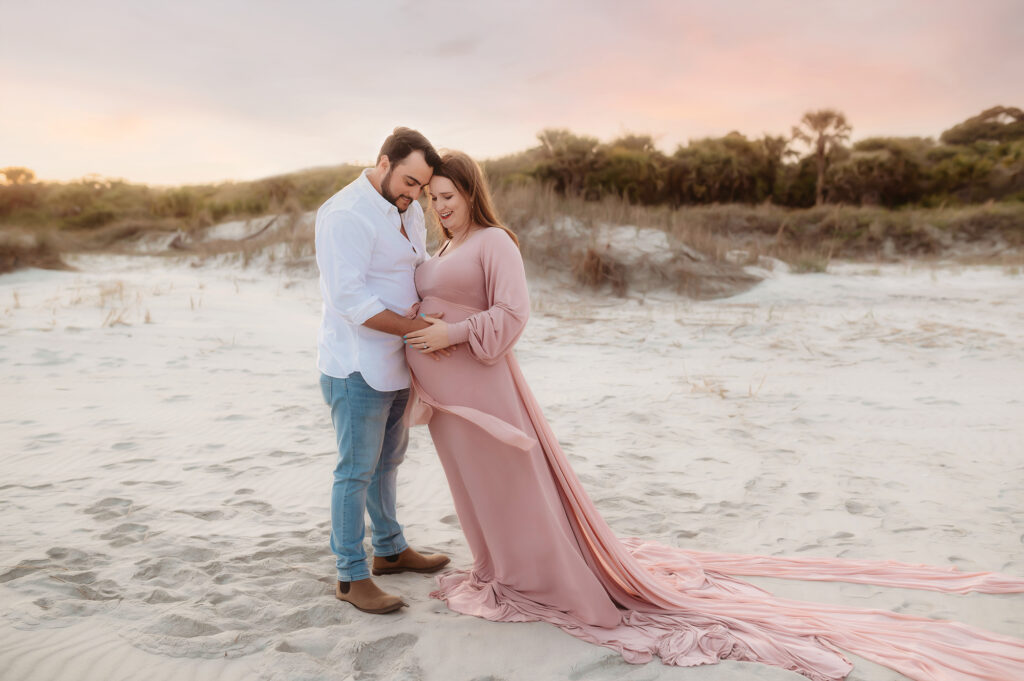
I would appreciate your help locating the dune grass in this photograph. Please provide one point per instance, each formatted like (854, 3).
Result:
(806, 239)
(42, 221)
(19, 249)
(859, 232)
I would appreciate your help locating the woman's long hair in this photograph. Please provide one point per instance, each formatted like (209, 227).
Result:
(468, 178)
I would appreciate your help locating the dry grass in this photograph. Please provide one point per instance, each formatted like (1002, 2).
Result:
(29, 249)
(287, 239)
(117, 237)
(570, 234)
(807, 239)
(708, 246)
(594, 269)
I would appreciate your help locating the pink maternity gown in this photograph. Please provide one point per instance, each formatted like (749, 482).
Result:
(542, 551)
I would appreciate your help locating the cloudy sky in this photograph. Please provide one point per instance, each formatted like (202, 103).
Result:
(195, 91)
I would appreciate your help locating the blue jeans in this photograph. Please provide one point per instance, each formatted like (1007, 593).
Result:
(371, 443)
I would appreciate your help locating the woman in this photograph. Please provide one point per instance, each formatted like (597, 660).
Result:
(542, 551)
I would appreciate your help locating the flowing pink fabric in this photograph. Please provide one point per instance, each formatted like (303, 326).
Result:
(541, 550)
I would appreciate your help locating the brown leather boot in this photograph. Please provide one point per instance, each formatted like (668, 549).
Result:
(364, 595)
(408, 561)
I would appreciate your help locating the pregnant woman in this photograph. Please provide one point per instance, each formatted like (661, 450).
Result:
(541, 550)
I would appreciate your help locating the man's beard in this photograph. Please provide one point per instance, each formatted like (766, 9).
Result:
(385, 191)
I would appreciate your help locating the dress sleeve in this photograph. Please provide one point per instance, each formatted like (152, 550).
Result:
(492, 333)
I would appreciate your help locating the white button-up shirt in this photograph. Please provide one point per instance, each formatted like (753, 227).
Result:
(366, 267)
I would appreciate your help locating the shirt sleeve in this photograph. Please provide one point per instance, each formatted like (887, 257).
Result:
(344, 249)
(492, 333)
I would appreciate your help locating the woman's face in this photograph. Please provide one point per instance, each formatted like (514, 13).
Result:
(449, 203)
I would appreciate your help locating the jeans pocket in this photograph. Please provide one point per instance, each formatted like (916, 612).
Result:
(326, 388)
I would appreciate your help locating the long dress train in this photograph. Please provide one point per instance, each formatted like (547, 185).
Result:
(541, 550)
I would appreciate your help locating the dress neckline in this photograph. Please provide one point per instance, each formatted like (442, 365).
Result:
(441, 255)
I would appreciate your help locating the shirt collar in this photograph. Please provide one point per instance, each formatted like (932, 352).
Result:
(383, 205)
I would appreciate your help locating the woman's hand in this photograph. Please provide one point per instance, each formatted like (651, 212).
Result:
(431, 339)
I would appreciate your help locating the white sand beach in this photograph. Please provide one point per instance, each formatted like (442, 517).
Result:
(166, 462)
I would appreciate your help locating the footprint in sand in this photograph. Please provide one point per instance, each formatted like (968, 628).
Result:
(166, 572)
(293, 556)
(88, 587)
(260, 507)
(110, 508)
(208, 515)
(71, 587)
(158, 596)
(154, 483)
(181, 627)
(45, 485)
(129, 462)
(197, 554)
(25, 567)
(72, 558)
(125, 534)
(856, 507)
(285, 647)
(387, 658)
(320, 616)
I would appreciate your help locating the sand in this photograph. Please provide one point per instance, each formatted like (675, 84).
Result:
(166, 459)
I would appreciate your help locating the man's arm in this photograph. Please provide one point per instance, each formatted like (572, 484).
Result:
(390, 322)
(344, 247)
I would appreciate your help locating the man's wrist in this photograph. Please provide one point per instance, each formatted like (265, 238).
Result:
(417, 324)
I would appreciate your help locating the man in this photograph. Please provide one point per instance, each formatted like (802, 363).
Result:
(370, 237)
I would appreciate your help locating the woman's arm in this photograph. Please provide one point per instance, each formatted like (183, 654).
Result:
(492, 333)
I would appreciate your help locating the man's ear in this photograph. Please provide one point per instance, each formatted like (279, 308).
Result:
(383, 163)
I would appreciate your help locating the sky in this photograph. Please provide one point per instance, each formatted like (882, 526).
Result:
(201, 91)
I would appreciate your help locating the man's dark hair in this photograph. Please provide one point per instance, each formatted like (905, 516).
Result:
(403, 141)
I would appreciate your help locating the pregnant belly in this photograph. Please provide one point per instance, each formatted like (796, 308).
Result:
(458, 379)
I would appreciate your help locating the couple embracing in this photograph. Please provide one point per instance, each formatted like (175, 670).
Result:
(413, 338)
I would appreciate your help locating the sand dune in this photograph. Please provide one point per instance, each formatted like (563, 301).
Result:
(166, 463)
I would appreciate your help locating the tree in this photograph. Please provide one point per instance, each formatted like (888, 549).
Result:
(18, 190)
(630, 167)
(998, 124)
(773, 151)
(567, 159)
(725, 169)
(17, 175)
(824, 131)
(890, 171)
(634, 142)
